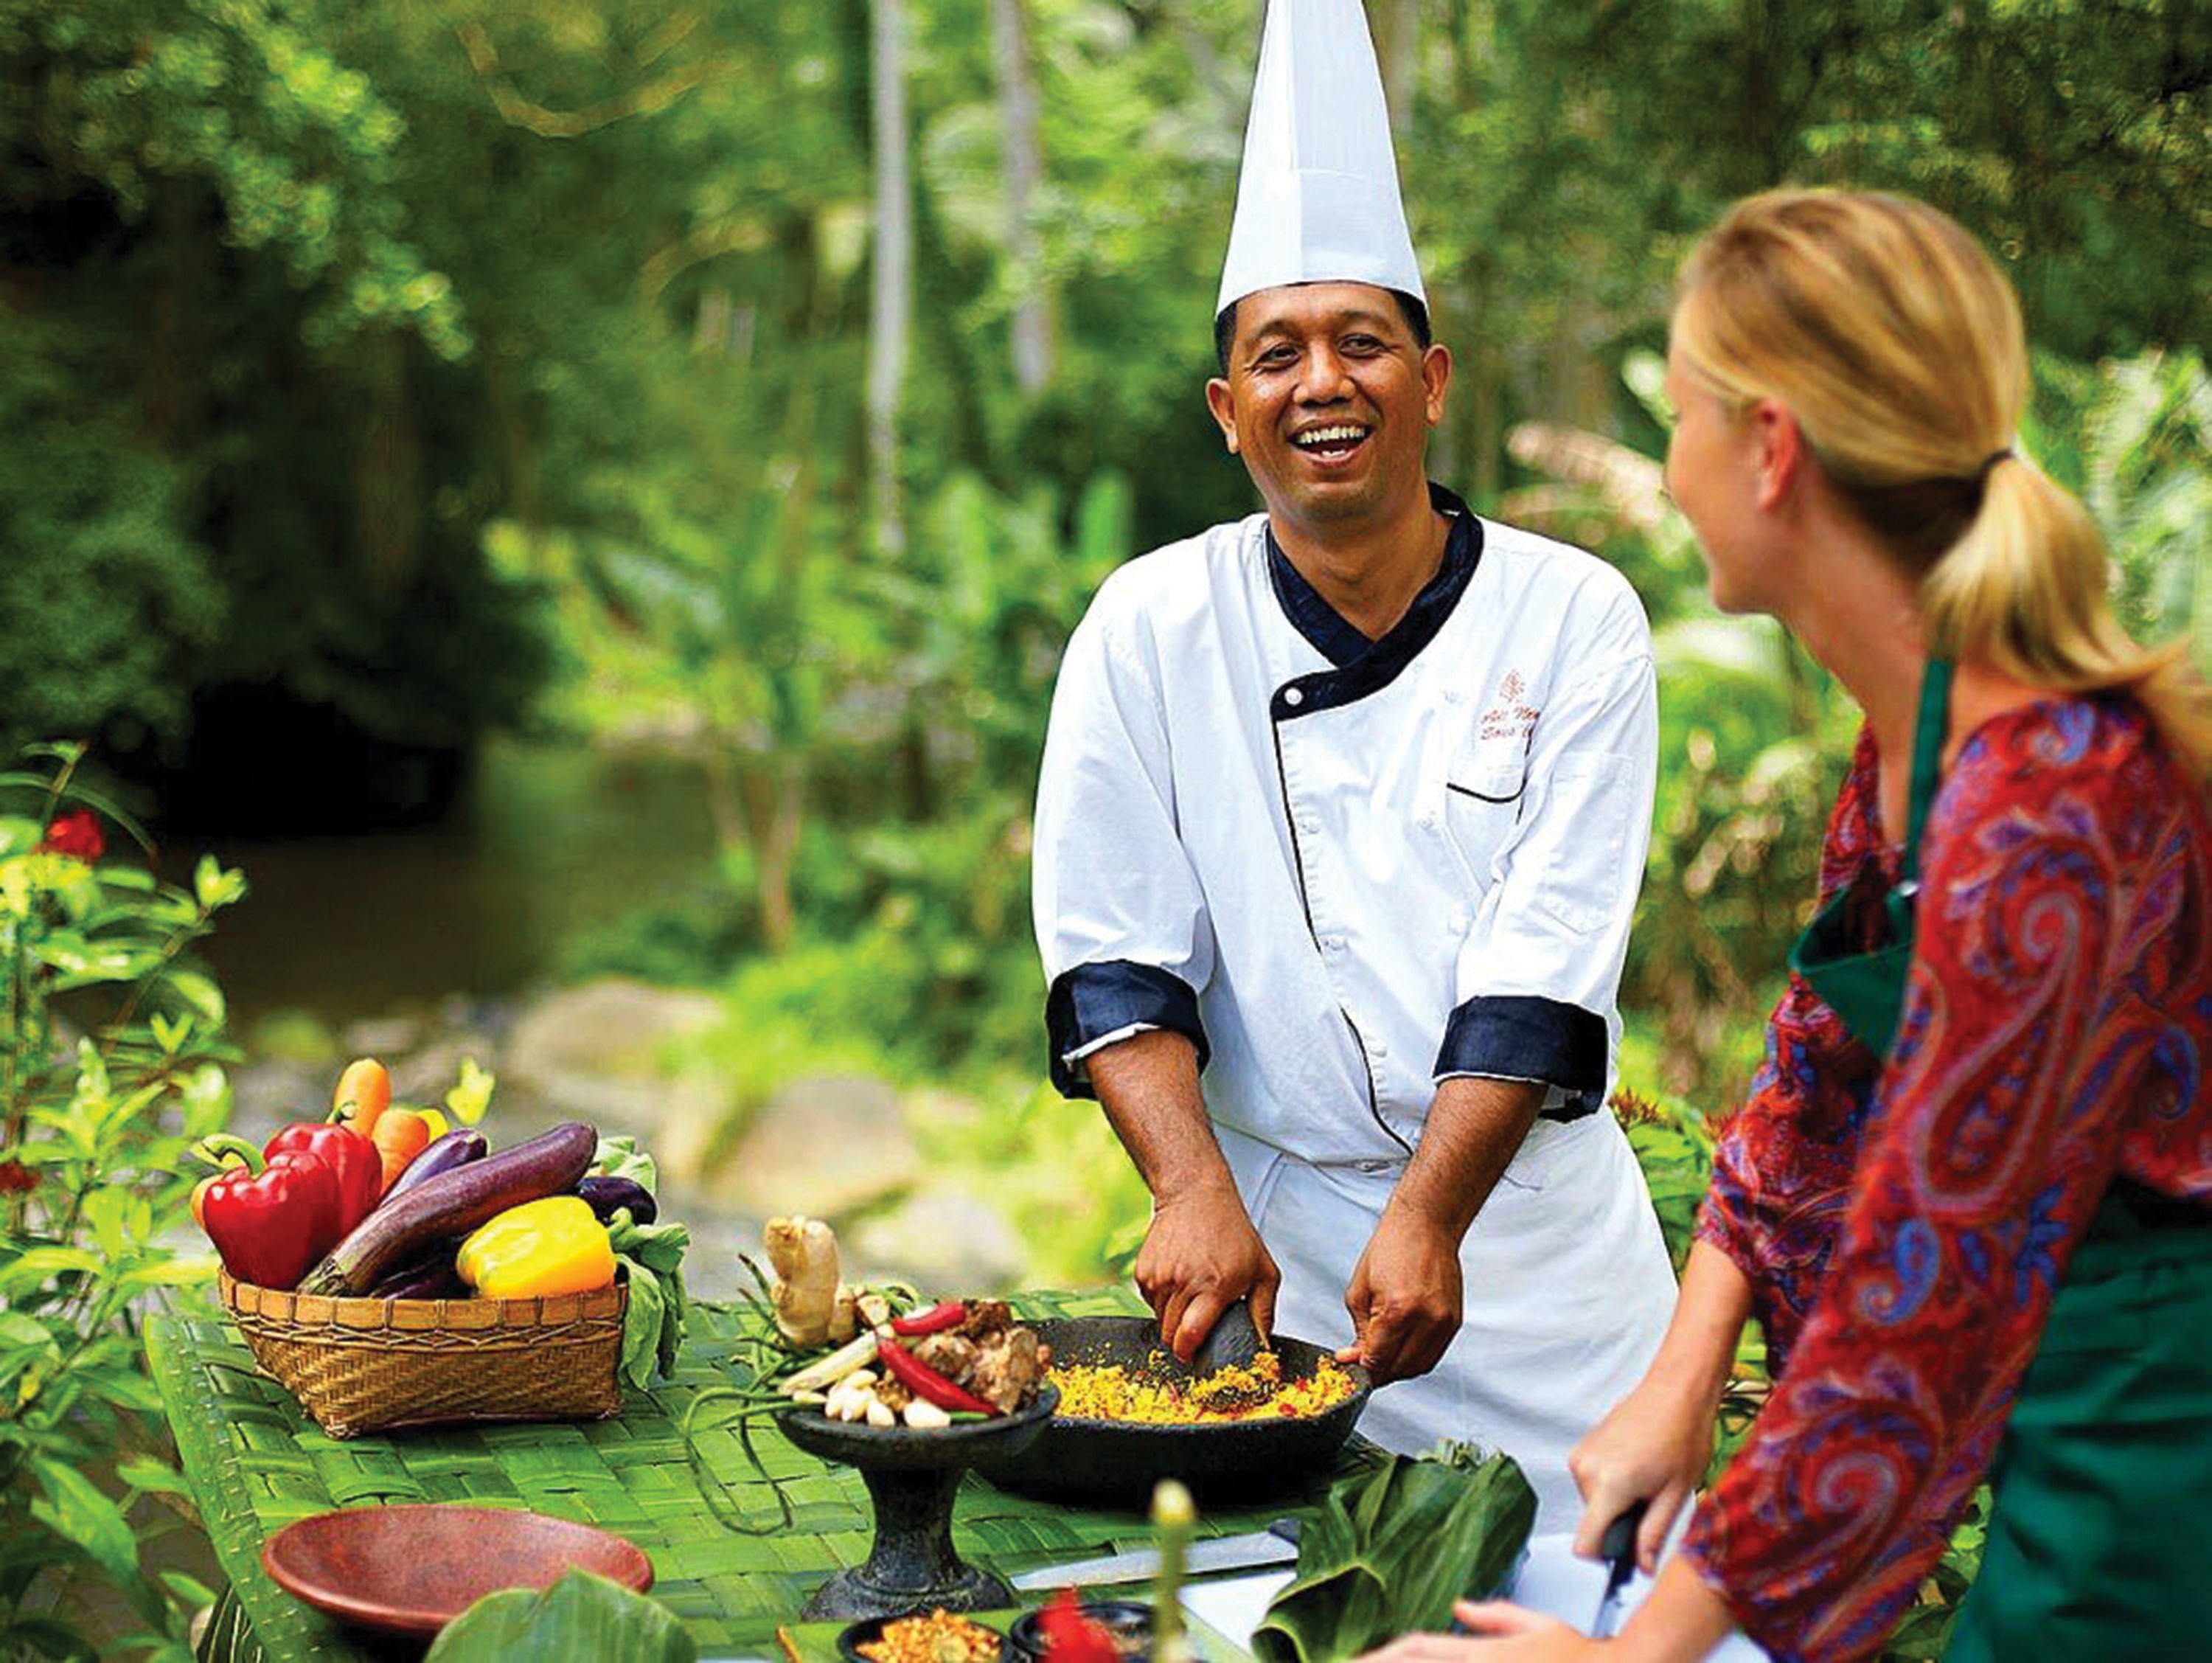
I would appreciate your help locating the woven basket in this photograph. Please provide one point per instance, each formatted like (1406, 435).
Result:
(370, 1365)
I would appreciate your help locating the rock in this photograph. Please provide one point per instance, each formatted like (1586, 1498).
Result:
(934, 1106)
(596, 1053)
(824, 1146)
(946, 1243)
(384, 1037)
(268, 1093)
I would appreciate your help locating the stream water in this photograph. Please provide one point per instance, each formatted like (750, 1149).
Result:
(544, 845)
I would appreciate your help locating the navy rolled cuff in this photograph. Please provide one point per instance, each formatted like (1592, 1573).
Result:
(1092, 1001)
(1521, 1037)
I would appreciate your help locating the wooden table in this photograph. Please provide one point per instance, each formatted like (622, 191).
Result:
(255, 1463)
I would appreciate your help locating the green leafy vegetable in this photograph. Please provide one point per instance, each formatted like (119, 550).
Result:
(1393, 1548)
(580, 1616)
(652, 1255)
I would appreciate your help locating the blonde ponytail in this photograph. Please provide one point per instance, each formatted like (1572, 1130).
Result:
(1898, 347)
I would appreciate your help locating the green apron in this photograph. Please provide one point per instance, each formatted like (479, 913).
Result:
(2103, 1475)
(1867, 988)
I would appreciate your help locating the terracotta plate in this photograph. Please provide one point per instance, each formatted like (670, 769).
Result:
(412, 1569)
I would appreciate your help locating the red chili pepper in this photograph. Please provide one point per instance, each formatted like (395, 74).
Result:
(934, 1321)
(925, 1382)
(353, 1158)
(271, 1226)
(1072, 1637)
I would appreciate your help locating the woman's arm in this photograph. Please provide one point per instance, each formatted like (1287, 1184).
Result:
(1658, 1441)
(1998, 1128)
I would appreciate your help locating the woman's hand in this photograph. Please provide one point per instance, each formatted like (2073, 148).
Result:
(1501, 1633)
(1658, 1441)
(1655, 1446)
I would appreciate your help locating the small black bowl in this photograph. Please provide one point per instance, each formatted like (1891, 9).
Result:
(1129, 1622)
(853, 1636)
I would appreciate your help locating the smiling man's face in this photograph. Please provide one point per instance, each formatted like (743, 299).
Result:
(1329, 398)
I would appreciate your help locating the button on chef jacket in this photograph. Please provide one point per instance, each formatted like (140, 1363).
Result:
(1347, 870)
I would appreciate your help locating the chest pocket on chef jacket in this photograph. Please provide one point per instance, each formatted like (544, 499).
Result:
(1483, 790)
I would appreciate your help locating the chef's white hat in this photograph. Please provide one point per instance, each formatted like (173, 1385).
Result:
(1318, 201)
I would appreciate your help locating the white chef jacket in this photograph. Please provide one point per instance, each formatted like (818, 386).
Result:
(1347, 870)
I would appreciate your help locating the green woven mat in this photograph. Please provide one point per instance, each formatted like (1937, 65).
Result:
(255, 1463)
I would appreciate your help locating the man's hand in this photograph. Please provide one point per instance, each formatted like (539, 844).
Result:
(1405, 1292)
(1201, 1255)
(1404, 1296)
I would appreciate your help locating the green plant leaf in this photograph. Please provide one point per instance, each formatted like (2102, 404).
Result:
(1394, 1548)
(470, 1099)
(103, 1214)
(200, 992)
(144, 1472)
(44, 1636)
(214, 886)
(642, 1320)
(39, 1263)
(76, 1509)
(580, 1616)
(190, 1591)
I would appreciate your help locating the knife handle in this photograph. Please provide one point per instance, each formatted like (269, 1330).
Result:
(1619, 1542)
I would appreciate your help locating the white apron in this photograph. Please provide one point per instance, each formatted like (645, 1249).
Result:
(1349, 884)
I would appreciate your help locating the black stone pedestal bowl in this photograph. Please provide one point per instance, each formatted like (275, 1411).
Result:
(1116, 1463)
(911, 1476)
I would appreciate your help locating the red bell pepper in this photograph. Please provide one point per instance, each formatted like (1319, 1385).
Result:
(927, 1383)
(353, 1158)
(228, 1155)
(271, 1226)
(934, 1321)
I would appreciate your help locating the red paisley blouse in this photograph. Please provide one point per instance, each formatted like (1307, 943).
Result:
(1904, 1226)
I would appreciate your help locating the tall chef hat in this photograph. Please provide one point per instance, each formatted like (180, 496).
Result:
(1317, 201)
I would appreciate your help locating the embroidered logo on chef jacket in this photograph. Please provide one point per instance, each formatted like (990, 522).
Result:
(1491, 763)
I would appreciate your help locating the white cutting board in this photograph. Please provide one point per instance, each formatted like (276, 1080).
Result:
(1551, 1580)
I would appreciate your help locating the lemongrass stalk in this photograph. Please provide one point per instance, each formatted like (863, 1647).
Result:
(1175, 1518)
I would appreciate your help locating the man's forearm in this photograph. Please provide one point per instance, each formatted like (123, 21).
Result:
(1148, 1086)
(1474, 1128)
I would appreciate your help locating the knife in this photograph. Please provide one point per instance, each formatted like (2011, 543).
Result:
(1277, 1545)
(1617, 1550)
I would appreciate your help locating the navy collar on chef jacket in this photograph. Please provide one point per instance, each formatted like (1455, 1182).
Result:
(1364, 666)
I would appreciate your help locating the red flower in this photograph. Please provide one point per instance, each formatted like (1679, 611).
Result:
(76, 832)
(16, 1179)
(1072, 1637)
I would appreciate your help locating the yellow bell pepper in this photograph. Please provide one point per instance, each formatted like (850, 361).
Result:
(556, 1246)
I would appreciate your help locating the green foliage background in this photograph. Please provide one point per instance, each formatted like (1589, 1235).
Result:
(434, 366)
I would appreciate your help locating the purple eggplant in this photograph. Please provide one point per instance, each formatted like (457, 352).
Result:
(441, 1154)
(609, 1195)
(431, 1276)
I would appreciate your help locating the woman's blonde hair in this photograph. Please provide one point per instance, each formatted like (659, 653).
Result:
(1898, 346)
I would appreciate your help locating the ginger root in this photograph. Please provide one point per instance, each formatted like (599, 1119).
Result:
(803, 1253)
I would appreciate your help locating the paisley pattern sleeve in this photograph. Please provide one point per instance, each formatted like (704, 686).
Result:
(2057, 978)
(1782, 1165)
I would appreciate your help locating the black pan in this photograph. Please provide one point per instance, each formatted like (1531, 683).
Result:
(1117, 1463)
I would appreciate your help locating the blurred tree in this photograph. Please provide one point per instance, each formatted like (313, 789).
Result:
(1022, 167)
(203, 237)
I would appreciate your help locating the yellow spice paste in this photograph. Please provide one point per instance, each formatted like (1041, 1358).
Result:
(1155, 1396)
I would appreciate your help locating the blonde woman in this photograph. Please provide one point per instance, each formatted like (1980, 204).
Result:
(1968, 1200)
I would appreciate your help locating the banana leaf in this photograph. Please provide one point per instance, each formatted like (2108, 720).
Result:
(1393, 1548)
(580, 1616)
